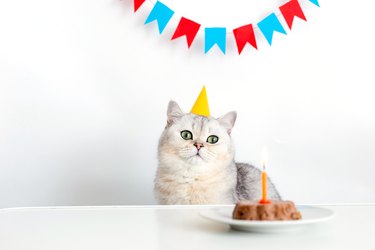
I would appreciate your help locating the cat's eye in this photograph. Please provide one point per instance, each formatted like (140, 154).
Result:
(186, 135)
(212, 139)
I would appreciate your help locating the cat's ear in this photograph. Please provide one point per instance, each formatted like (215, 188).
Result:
(228, 120)
(174, 112)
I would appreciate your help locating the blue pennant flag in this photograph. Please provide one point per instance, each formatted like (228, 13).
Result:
(315, 2)
(162, 14)
(270, 24)
(214, 36)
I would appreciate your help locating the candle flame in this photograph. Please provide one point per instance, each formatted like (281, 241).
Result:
(264, 158)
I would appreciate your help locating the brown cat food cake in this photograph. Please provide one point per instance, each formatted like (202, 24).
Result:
(275, 210)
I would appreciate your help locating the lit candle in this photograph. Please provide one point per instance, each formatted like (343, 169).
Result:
(264, 199)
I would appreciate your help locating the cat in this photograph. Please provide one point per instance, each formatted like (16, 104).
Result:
(196, 162)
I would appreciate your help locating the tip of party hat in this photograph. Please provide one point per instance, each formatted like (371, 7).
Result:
(200, 106)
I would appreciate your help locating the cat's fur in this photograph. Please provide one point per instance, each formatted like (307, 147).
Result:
(189, 174)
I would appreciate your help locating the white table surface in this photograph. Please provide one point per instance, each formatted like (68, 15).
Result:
(172, 227)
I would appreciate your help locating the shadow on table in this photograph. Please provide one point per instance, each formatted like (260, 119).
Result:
(183, 229)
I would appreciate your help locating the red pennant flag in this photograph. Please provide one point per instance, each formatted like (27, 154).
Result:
(186, 28)
(290, 10)
(243, 35)
(137, 4)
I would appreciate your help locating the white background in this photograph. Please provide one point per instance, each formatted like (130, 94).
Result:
(84, 88)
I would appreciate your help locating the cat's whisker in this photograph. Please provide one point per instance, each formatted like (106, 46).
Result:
(208, 154)
(187, 152)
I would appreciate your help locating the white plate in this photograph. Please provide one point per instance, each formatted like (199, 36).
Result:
(310, 215)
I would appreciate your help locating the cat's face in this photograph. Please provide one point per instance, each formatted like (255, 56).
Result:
(197, 140)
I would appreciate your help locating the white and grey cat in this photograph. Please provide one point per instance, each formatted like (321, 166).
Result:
(196, 162)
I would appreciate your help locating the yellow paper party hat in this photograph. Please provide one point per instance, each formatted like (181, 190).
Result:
(201, 104)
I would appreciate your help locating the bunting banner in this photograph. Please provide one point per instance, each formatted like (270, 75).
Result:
(290, 10)
(243, 35)
(186, 28)
(214, 36)
(270, 24)
(161, 14)
(218, 36)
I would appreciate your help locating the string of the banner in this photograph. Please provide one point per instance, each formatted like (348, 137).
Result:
(201, 29)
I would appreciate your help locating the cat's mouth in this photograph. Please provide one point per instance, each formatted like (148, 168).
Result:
(197, 158)
(197, 155)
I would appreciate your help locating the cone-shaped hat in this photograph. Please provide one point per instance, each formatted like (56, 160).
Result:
(201, 104)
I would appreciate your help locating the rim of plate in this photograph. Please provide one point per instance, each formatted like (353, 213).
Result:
(216, 215)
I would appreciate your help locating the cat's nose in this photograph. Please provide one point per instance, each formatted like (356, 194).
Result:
(198, 145)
